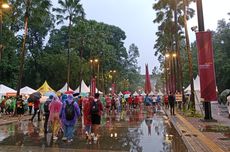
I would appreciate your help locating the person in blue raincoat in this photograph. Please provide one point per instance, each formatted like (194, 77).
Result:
(69, 124)
(148, 101)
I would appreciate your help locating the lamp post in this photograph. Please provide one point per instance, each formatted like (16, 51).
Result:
(113, 72)
(93, 62)
(2, 6)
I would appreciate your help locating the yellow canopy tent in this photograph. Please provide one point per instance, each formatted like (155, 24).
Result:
(45, 88)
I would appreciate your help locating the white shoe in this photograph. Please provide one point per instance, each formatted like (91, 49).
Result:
(70, 140)
(55, 137)
(64, 138)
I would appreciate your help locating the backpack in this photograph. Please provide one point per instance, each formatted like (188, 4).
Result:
(69, 110)
(94, 107)
(46, 106)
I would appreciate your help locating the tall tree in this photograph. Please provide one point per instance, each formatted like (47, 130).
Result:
(70, 10)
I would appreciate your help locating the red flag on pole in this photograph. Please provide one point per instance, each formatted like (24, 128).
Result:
(147, 80)
(93, 86)
(113, 88)
(206, 66)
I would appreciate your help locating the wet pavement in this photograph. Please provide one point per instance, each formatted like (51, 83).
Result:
(132, 131)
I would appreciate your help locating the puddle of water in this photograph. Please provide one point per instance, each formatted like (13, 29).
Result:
(126, 131)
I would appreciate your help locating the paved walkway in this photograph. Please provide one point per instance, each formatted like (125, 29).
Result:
(196, 135)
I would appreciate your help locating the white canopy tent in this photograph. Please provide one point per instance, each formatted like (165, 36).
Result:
(97, 90)
(27, 90)
(84, 88)
(4, 89)
(143, 93)
(160, 93)
(196, 82)
(135, 94)
(120, 94)
(64, 88)
(151, 93)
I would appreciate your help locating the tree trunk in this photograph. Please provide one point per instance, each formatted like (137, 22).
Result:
(189, 56)
(21, 67)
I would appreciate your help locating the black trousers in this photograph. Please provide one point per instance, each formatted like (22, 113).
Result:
(46, 122)
(35, 112)
(172, 107)
(30, 109)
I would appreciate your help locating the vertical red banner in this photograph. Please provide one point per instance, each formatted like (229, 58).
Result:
(93, 86)
(147, 80)
(206, 66)
(113, 88)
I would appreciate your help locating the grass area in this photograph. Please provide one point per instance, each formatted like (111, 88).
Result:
(191, 113)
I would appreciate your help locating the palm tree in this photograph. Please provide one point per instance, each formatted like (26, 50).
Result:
(71, 11)
(39, 17)
(186, 10)
(21, 67)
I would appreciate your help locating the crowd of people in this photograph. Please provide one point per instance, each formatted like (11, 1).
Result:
(61, 113)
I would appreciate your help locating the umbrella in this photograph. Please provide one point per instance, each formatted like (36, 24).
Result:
(126, 95)
(127, 92)
(43, 99)
(69, 92)
(35, 96)
(50, 93)
(224, 94)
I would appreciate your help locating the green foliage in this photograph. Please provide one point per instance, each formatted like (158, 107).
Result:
(86, 39)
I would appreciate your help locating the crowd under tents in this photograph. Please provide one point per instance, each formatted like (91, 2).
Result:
(46, 90)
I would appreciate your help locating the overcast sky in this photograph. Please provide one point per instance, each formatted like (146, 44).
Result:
(135, 18)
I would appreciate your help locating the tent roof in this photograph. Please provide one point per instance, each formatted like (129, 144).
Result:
(4, 89)
(135, 94)
(27, 90)
(97, 91)
(84, 88)
(120, 94)
(45, 88)
(143, 93)
(151, 93)
(196, 85)
(64, 88)
(160, 93)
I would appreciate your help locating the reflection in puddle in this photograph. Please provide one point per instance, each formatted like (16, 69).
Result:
(126, 131)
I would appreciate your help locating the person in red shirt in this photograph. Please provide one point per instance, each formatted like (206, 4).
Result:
(36, 110)
(108, 104)
(166, 101)
(130, 101)
(136, 101)
(87, 113)
(96, 114)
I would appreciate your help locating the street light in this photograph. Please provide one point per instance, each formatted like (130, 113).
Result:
(94, 62)
(113, 72)
(3, 5)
